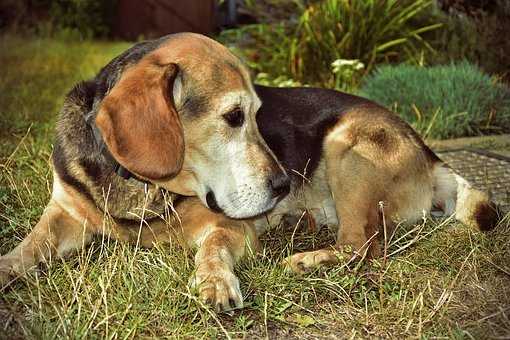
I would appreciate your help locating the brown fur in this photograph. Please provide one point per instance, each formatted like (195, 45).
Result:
(376, 172)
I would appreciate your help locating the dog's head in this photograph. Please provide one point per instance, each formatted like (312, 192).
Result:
(183, 116)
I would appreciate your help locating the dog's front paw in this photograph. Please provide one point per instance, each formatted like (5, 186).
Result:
(218, 287)
(10, 269)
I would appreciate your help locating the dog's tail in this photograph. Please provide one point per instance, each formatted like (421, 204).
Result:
(454, 194)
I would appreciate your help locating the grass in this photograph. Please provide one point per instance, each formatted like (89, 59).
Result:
(443, 281)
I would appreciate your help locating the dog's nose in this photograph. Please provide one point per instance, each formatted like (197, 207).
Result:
(212, 203)
(280, 184)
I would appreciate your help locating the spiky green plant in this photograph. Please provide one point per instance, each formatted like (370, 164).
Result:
(370, 31)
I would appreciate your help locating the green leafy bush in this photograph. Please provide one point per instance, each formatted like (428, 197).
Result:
(442, 101)
(371, 31)
(264, 47)
(303, 48)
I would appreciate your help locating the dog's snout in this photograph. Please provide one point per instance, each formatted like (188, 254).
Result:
(279, 184)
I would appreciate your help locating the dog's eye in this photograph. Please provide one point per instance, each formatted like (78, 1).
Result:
(234, 118)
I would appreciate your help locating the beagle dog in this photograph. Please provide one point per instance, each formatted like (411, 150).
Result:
(166, 119)
(172, 141)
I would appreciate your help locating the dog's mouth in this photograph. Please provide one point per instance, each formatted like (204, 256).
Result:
(210, 198)
(246, 202)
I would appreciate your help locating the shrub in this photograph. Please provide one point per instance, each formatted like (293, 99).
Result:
(442, 101)
(303, 48)
(61, 18)
(264, 47)
(371, 31)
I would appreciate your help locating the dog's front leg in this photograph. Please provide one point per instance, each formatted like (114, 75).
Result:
(214, 278)
(55, 235)
(221, 242)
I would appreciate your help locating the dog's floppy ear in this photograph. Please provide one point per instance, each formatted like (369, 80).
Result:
(139, 123)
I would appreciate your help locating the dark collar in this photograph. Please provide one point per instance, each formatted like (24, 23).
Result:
(103, 149)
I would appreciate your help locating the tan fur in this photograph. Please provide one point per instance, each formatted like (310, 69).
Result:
(368, 159)
(56, 234)
(304, 262)
(220, 242)
(70, 221)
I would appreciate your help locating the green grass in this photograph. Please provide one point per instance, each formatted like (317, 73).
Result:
(445, 101)
(444, 281)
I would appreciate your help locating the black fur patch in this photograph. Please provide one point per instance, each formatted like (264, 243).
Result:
(195, 104)
(60, 164)
(77, 146)
(294, 121)
(486, 216)
(178, 200)
(83, 93)
(431, 155)
(92, 169)
(382, 139)
(134, 222)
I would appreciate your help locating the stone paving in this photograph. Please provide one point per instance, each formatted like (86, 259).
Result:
(484, 169)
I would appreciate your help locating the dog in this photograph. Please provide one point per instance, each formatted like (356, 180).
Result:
(166, 119)
(173, 127)
(351, 161)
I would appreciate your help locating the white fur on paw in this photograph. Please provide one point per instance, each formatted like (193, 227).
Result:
(218, 288)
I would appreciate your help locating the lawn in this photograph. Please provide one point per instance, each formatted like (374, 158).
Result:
(440, 280)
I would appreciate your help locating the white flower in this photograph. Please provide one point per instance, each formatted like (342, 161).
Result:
(345, 64)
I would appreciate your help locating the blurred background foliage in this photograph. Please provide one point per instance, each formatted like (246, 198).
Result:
(422, 32)
(341, 44)
(303, 48)
(75, 19)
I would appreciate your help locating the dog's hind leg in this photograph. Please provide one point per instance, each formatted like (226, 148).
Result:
(357, 234)
(56, 234)
(355, 186)
(309, 260)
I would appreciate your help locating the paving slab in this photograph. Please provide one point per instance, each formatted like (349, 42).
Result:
(483, 161)
(485, 170)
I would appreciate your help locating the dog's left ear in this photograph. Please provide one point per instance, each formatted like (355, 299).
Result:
(139, 123)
